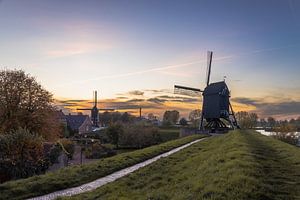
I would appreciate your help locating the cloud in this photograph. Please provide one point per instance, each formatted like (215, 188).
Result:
(280, 109)
(73, 100)
(156, 104)
(72, 104)
(158, 91)
(244, 100)
(121, 97)
(135, 100)
(157, 100)
(264, 107)
(69, 37)
(178, 99)
(136, 92)
(131, 104)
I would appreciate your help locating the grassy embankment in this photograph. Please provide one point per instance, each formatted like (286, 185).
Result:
(238, 165)
(77, 175)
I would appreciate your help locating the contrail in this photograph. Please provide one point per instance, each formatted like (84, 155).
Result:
(263, 50)
(137, 72)
(176, 65)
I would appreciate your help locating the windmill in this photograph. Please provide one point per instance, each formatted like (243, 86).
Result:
(216, 107)
(95, 110)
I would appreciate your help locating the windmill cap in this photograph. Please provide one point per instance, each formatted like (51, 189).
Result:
(215, 88)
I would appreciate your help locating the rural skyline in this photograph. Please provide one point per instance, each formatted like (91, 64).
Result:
(133, 53)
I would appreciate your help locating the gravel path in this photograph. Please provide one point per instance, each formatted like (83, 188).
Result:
(109, 178)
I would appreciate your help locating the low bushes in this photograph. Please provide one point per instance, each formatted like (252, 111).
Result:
(286, 133)
(135, 136)
(54, 153)
(77, 175)
(139, 136)
(97, 150)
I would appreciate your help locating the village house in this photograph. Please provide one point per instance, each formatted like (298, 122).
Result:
(78, 124)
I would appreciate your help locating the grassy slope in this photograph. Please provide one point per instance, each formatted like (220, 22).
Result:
(77, 175)
(238, 165)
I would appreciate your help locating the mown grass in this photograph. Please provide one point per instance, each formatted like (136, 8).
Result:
(238, 165)
(77, 175)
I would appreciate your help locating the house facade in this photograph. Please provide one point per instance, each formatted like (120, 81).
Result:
(79, 124)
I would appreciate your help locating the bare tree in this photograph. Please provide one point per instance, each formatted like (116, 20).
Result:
(246, 120)
(195, 116)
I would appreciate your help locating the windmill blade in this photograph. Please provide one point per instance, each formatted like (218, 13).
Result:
(106, 109)
(178, 89)
(209, 59)
(95, 101)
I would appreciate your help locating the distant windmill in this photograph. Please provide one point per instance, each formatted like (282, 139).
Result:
(216, 105)
(95, 110)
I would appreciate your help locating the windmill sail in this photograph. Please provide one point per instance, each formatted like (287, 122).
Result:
(183, 90)
(209, 59)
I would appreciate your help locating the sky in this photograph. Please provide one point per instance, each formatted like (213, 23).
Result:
(134, 51)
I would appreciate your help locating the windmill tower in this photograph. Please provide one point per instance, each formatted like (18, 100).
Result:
(95, 110)
(216, 107)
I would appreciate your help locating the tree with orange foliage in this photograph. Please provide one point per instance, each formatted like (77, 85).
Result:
(25, 103)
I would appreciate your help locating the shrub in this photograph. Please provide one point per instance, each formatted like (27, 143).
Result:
(138, 136)
(96, 151)
(54, 154)
(21, 154)
(286, 133)
(114, 132)
(183, 122)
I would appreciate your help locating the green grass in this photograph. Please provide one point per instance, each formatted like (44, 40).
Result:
(238, 165)
(78, 175)
(168, 134)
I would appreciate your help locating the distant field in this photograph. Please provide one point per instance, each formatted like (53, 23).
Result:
(77, 175)
(238, 165)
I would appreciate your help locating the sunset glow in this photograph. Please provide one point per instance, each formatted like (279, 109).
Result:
(133, 54)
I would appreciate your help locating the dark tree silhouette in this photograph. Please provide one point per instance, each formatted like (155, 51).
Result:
(183, 122)
(170, 117)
